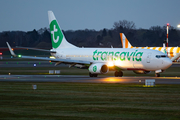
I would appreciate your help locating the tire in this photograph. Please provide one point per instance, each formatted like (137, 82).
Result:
(93, 75)
(118, 74)
(90, 75)
(157, 75)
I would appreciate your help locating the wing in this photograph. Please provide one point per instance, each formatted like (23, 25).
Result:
(55, 60)
(69, 61)
(37, 49)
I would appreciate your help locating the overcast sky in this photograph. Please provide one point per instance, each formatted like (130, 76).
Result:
(26, 15)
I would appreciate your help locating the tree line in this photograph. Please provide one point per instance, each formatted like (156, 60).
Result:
(154, 36)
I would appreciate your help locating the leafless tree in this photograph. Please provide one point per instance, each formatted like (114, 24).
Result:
(124, 24)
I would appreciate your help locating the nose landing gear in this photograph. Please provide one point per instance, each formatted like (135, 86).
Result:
(157, 74)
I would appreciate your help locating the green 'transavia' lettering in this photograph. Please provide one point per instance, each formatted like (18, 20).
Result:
(105, 55)
(94, 55)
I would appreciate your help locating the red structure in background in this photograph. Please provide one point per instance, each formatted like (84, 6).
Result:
(167, 36)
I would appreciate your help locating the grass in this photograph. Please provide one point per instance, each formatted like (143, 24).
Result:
(88, 101)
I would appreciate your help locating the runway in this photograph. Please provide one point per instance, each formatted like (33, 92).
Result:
(75, 78)
(85, 79)
(5, 64)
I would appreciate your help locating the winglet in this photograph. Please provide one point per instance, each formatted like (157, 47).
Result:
(10, 49)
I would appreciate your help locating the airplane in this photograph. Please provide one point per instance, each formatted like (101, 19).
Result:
(100, 60)
(172, 52)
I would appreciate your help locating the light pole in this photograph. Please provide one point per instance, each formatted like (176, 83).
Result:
(167, 36)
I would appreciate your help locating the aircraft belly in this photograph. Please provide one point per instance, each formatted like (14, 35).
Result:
(126, 64)
(138, 65)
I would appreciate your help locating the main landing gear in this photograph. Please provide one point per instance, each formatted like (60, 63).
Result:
(118, 74)
(157, 75)
(93, 75)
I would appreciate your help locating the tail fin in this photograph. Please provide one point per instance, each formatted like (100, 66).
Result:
(124, 41)
(57, 37)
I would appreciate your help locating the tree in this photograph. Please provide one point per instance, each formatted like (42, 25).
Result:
(110, 33)
(104, 33)
(99, 38)
(124, 24)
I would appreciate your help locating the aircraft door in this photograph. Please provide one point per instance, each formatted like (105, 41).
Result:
(148, 58)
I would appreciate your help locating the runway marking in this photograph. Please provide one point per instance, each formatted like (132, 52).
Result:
(86, 79)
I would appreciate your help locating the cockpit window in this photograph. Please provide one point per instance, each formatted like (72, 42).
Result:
(161, 56)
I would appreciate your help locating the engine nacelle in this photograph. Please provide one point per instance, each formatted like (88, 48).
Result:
(141, 72)
(98, 68)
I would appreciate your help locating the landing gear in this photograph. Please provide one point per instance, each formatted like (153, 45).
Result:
(93, 75)
(157, 74)
(118, 74)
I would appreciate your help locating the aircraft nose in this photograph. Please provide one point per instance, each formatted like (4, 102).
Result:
(167, 63)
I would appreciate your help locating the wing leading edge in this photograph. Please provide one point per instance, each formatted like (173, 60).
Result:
(49, 51)
(47, 59)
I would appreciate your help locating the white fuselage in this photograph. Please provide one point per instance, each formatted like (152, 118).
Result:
(124, 58)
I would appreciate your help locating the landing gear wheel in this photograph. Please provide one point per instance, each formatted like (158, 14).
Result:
(157, 74)
(118, 74)
(93, 75)
(90, 75)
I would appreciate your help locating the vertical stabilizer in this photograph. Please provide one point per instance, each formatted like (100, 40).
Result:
(124, 41)
(57, 37)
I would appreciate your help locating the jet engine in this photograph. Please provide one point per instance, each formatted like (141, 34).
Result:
(141, 72)
(98, 68)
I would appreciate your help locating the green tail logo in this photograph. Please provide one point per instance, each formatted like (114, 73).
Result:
(56, 34)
